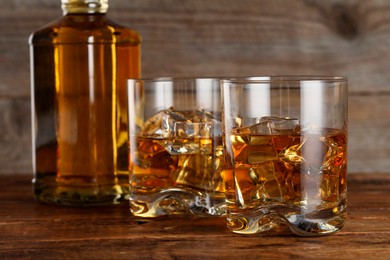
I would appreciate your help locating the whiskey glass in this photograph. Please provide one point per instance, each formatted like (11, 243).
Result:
(285, 142)
(176, 154)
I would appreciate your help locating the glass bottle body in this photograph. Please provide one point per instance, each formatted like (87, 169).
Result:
(80, 64)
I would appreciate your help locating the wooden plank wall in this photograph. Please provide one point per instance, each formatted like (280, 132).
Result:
(226, 37)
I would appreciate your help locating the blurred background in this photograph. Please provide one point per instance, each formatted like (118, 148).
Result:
(225, 38)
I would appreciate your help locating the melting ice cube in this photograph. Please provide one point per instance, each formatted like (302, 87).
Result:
(253, 144)
(244, 121)
(280, 125)
(311, 152)
(161, 124)
(262, 128)
(185, 132)
(267, 186)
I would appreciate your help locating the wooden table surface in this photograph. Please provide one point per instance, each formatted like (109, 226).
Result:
(30, 230)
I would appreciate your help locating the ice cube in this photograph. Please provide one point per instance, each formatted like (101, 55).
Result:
(216, 115)
(213, 122)
(197, 171)
(151, 163)
(189, 132)
(280, 125)
(261, 128)
(253, 149)
(203, 129)
(310, 152)
(177, 146)
(243, 186)
(154, 125)
(240, 122)
(314, 157)
(253, 144)
(268, 187)
(335, 155)
(161, 124)
(199, 123)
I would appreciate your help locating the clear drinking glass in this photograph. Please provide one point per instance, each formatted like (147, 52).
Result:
(176, 154)
(285, 142)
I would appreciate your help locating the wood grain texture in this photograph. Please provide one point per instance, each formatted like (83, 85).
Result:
(233, 38)
(37, 231)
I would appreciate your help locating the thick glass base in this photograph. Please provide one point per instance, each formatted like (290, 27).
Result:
(47, 190)
(314, 223)
(177, 201)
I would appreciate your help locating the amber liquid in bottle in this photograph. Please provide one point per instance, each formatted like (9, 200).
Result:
(80, 64)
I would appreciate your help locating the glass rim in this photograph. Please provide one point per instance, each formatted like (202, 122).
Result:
(249, 79)
(171, 79)
(287, 78)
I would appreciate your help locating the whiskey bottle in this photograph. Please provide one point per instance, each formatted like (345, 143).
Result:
(79, 67)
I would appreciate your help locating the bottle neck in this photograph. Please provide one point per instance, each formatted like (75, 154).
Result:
(84, 6)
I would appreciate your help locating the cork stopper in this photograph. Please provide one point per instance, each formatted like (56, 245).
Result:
(84, 6)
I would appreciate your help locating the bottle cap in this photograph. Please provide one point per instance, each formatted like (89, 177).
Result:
(84, 6)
